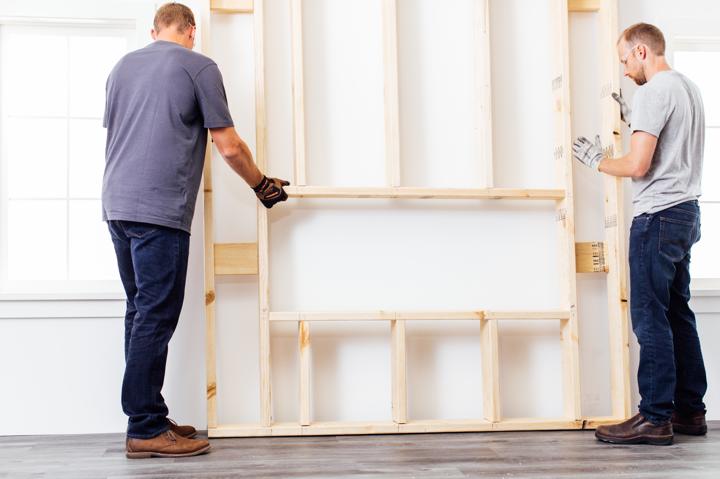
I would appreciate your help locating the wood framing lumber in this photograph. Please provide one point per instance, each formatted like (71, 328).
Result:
(305, 358)
(209, 281)
(565, 214)
(616, 256)
(417, 315)
(424, 193)
(266, 415)
(298, 92)
(489, 349)
(236, 258)
(411, 427)
(209, 256)
(398, 380)
(483, 82)
(591, 257)
(390, 93)
(232, 6)
(584, 5)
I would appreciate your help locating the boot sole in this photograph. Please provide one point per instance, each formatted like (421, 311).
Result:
(149, 454)
(690, 430)
(652, 440)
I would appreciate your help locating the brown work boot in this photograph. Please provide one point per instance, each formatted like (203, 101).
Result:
(636, 430)
(184, 431)
(167, 444)
(692, 424)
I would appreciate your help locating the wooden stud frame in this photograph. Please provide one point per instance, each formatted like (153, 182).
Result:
(599, 257)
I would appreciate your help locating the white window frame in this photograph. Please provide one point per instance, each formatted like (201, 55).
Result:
(701, 287)
(91, 13)
(57, 288)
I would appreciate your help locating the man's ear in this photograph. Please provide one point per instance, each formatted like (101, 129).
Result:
(153, 34)
(642, 49)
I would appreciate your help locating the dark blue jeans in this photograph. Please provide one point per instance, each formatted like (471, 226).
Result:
(671, 372)
(153, 264)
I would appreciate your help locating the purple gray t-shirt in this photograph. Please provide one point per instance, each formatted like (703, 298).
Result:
(160, 101)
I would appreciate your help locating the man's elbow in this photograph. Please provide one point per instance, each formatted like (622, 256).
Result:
(640, 169)
(230, 149)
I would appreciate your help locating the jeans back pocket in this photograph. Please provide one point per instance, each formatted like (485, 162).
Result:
(677, 237)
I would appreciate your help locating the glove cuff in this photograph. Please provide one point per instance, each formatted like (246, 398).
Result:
(262, 185)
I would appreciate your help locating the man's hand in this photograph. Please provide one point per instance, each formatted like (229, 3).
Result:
(625, 111)
(270, 191)
(587, 152)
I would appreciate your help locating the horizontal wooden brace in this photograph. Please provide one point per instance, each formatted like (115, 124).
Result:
(415, 315)
(584, 5)
(412, 426)
(591, 257)
(404, 192)
(236, 258)
(232, 6)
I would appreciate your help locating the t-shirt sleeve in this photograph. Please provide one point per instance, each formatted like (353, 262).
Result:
(211, 97)
(651, 110)
(105, 115)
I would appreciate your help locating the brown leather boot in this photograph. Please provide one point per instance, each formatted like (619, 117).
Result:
(636, 430)
(184, 431)
(692, 424)
(167, 444)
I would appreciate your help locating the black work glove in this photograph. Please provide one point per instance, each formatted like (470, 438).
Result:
(270, 191)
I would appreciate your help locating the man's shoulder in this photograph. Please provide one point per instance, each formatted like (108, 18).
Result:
(193, 62)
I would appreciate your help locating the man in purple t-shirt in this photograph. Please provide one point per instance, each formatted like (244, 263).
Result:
(161, 101)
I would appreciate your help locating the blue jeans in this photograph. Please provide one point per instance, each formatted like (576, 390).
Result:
(671, 372)
(153, 264)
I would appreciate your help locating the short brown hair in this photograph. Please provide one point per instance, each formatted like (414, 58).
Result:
(174, 14)
(645, 33)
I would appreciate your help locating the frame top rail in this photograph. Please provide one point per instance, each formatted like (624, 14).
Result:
(403, 192)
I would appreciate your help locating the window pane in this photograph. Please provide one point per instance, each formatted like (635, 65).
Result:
(91, 251)
(87, 158)
(705, 262)
(34, 73)
(36, 157)
(37, 240)
(91, 60)
(711, 166)
(703, 68)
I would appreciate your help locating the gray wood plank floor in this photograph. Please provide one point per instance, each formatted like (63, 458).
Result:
(561, 454)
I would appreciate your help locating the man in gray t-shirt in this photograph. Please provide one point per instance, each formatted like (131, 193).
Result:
(665, 164)
(161, 101)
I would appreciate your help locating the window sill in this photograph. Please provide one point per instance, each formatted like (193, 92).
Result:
(109, 296)
(61, 306)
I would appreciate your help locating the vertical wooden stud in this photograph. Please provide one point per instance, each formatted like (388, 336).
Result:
(391, 102)
(565, 214)
(305, 358)
(209, 267)
(614, 218)
(266, 417)
(483, 79)
(489, 348)
(399, 371)
(298, 92)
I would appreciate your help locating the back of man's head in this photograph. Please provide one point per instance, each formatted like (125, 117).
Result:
(647, 34)
(173, 14)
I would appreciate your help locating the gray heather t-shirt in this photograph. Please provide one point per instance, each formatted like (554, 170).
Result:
(670, 108)
(160, 100)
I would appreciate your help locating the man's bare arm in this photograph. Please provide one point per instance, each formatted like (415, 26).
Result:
(637, 162)
(237, 154)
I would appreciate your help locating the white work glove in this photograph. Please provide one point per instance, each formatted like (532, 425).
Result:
(625, 111)
(587, 152)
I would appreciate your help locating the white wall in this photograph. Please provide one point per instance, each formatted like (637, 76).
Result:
(63, 375)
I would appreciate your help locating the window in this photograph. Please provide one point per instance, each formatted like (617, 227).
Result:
(699, 59)
(52, 156)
